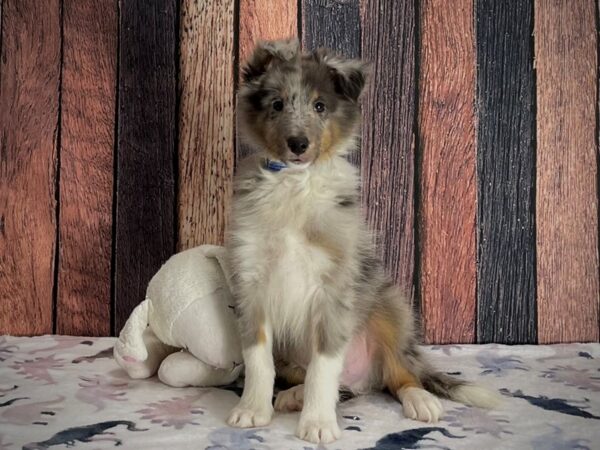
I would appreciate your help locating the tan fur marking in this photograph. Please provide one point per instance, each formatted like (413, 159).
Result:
(291, 373)
(324, 242)
(330, 138)
(261, 336)
(395, 375)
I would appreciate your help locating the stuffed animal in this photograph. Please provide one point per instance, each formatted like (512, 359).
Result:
(185, 328)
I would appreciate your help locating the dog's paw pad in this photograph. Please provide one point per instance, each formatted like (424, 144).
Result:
(318, 431)
(418, 404)
(242, 417)
(290, 400)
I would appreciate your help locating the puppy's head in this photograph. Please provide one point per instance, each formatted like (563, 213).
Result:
(299, 108)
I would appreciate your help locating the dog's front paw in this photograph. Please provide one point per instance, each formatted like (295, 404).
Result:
(318, 431)
(418, 404)
(290, 400)
(248, 417)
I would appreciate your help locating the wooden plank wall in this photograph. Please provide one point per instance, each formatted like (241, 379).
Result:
(480, 174)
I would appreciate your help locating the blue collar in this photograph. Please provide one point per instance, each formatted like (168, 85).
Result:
(273, 166)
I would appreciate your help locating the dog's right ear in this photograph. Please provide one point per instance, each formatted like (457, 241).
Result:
(267, 53)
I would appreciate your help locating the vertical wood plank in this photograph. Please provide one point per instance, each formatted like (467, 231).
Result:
(88, 105)
(447, 171)
(333, 24)
(29, 127)
(145, 209)
(387, 156)
(263, 20)
(206, 144)
(566, 196)
(506, 172)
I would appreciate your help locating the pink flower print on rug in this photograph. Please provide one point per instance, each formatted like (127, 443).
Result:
(175, 412)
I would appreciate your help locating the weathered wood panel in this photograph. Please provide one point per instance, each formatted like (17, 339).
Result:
(29, 128)
(387, 156)
(333, 24)
(88, 105)
(206, 143)
(506, 172)
(263, 20)
(447, 153)
(145, 198)
(566, 195)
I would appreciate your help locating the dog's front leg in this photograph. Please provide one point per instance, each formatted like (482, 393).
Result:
(255, 408)
(318, 420)
(331, 327)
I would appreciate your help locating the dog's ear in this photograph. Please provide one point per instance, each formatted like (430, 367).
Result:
(349, 75)
(268, 52)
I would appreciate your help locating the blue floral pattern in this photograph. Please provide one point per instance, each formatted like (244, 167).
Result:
(60, 391)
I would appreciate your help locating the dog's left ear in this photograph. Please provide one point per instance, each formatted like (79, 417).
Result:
(349, 75)
(267, 53)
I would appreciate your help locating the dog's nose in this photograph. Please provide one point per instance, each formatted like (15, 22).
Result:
(297, 144)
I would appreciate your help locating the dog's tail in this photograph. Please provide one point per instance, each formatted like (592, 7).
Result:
(460, 391)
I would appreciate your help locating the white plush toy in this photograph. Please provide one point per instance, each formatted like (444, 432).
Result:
(185, 328)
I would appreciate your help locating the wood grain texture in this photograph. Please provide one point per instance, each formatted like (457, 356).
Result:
(263, 20)
(387, 156)
(29, 109)
(333, 24)
(566, 195)
(206, 144)
(145, 209)
(447, 155)
(89, 86)
(506, 172)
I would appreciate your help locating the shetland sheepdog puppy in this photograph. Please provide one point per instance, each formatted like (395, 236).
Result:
(314, 303)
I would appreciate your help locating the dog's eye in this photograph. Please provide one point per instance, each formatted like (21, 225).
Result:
(319, 106)
(278, 104)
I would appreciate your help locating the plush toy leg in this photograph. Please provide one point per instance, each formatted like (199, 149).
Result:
(156, 353)
(183, 369)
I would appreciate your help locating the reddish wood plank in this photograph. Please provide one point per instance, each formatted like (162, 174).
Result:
(387, 159)
(447, 180)
(29, 91)
(263, 20)
(567, 205)
(206, 145)
(86, 171)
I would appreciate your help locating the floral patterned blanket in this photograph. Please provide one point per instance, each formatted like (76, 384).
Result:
(58, 392)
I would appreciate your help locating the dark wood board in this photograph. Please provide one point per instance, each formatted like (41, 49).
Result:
(29, 130)
(333, 24)
(387, 155)
(88, 107)
(263, 20)
(505, 172)
(447, 154)
(146, 153)
(567, 171)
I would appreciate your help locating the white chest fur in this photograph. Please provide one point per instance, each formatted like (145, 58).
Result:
(272, 250)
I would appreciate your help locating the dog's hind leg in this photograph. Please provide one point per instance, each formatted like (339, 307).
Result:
(399, 376)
